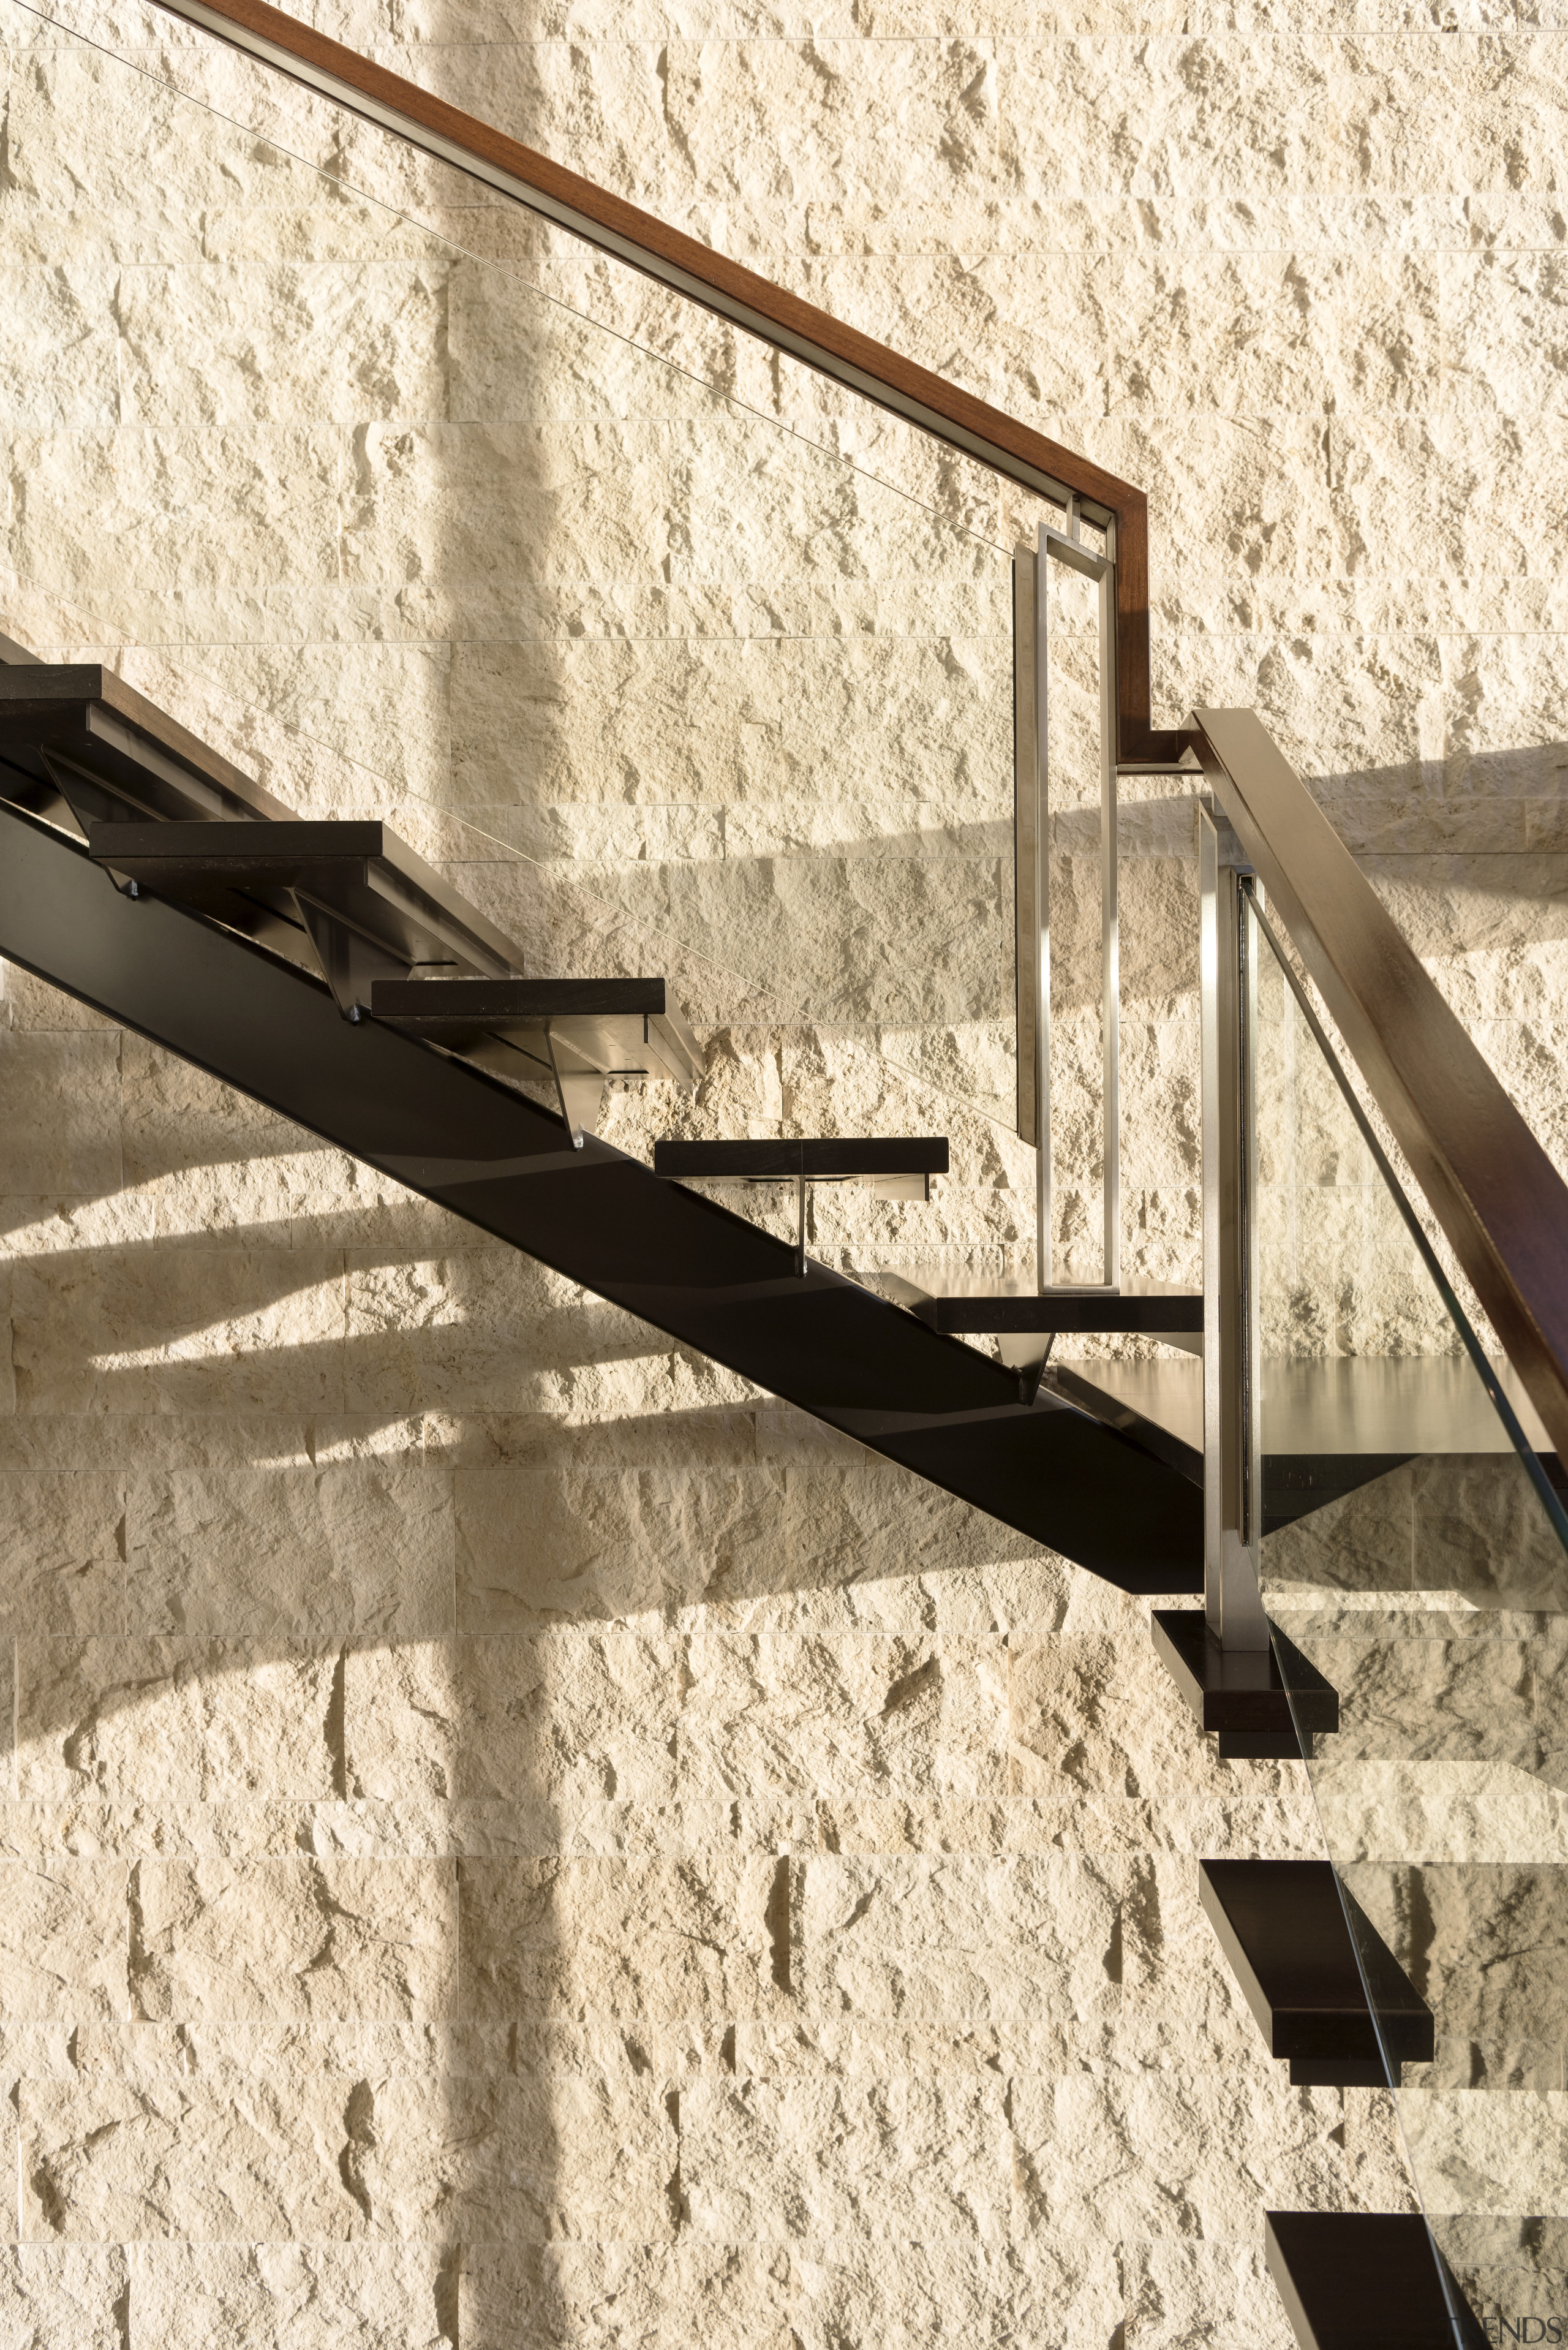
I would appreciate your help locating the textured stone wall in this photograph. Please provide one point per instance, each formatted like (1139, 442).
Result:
(514, 1837)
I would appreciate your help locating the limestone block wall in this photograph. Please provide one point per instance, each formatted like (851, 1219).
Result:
(513, 1836)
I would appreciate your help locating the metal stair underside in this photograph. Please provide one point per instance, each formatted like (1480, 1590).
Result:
(450, 1131)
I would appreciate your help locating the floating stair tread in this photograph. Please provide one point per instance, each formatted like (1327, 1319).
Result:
(944, 1302)
(615, 1028)
(432, 1004)
(1282, 1925)
(1238, 1688)
(83, 713)
(819, 1158)
(712, 1280)
(358, 868)
(1365, 2280)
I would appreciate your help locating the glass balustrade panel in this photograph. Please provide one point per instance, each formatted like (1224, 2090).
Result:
(419, 508)
(1414, 1556)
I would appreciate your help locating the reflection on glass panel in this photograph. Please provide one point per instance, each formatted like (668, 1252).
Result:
(677, 687)
(1414, 1558)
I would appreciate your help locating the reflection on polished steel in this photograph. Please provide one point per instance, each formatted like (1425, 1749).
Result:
(1031, 847)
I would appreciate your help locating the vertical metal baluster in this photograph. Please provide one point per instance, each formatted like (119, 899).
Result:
(1110, 929)
(1044, 1251)
(1231, 1400)
(1032, 852)
(1032, 934)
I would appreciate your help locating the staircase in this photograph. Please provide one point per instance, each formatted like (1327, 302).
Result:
(207, 959)
(1372, 1517)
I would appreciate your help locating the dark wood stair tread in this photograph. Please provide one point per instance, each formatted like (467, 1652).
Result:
(963, 1307)
(1367, 2280)
(1282, 1926)
(1242, 1691)
(818, 1158)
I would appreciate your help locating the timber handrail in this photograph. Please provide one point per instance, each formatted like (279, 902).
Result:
(781, 319)
(1492, 1187)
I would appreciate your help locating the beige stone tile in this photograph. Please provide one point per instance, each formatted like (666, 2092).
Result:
(487, 1329)
(172, 1330)
(1098, 1715)
(175, 1720)
(62, 1566)
(384, 2296)
(1173, 2289)
(61, 1129)
(215, 1161)
(781, 726)
(712, 1437)
(350, 1549)
(1404, 1697)
(1362, 1542)
(203, 515)
(64, 2297)
(534, 1546)
(568, 1719)
(1165, 2153)
(906, 2161)
(630, 1939)
(133, 1444)
(108, 2161)
(63, 1939)
(869, 1518)
(735, 2296)
(295, 1937)
(1480, 1529)
(1474, 2151)
(69, 306)
(32, 1003)
(842, 1718)
(228, 344)
(959, 1940)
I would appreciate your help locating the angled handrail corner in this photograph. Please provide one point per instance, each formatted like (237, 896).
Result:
(693, 269)
(1494, 1192)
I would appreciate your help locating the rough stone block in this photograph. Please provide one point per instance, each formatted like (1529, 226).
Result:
(64, 2297)
(62, 1564)
(344, 1550)
(174, 1720)
(843, 1718)
(632, 1938)
(60, 1131)
(373, 1939)
(1009, 1940)
(63, 1939)
(568, 1719)
(906, 2161)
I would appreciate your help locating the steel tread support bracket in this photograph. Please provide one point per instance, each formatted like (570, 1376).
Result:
(710, 1280)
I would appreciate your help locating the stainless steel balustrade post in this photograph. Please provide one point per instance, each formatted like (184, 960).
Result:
(1232, 1446)
(1033, 856)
